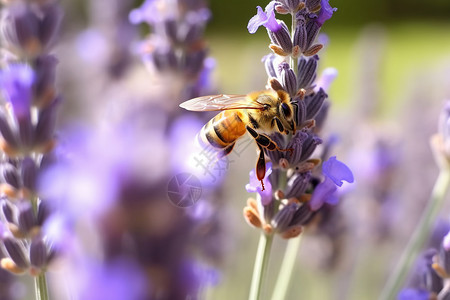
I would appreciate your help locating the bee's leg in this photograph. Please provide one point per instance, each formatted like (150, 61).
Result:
(265, 141)
(295, 105)
(280, 126)
(261, 166)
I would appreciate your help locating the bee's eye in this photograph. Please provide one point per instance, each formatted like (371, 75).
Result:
(286, 110)
(266, 106)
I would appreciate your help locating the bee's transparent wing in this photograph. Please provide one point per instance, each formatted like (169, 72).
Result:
(220, 102)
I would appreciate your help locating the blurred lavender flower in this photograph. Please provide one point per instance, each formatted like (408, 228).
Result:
(429, 278)
(113, 179)
(27, 127)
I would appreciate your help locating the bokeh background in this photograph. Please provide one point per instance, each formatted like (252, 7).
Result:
(393, 60)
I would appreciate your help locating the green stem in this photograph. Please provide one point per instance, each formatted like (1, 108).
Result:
(418, 238)
(41, 287)
(261, 264)
(293, 61)
(287, 266)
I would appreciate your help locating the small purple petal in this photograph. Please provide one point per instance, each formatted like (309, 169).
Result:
(325, 13)
(264, 18)
(257, 20)
(323, 193)
(337, 171)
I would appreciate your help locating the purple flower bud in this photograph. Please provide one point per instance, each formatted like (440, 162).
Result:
(300, 34)
(10, 175)
(312, 30)
(325, 13)
(8, 212)
(45, 127)
(16, 82)
(302, 215)
(283, 218)
(309, 145)
(288, 79)
(16, 251)
(297, 185)
(264, 18)
(29, 173)
(45, 76)
(38, 253)
(26, 218)
(314, 103)
(269, 63)
(254, 186)
(6, 131)
(306, 72)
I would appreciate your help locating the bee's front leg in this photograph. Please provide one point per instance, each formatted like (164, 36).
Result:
(261, 166)
(265, 141)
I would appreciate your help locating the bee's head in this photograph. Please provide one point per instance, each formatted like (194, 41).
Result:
(286, 111)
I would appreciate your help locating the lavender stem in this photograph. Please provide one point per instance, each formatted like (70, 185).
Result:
(261, 264)
(41, 287)
(419, 236)
(287, 266)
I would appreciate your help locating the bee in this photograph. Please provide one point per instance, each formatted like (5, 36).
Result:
(259, 113)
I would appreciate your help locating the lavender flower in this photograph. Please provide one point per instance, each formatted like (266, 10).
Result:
(27, 127)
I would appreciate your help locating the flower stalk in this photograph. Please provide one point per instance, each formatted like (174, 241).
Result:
(41, 287)
(419, 236)
(261, 265)
(286, 269)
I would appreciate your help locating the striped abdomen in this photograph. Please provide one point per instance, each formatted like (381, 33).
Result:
(222, 131)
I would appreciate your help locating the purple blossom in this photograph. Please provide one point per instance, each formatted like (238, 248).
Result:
(335, 173)
(254, 186)
(264, 18)
(325, 13)
(147, 12)
(16, 82)
(119, 279)
(413, 294)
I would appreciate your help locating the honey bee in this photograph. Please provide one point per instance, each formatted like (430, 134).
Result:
(259, 113)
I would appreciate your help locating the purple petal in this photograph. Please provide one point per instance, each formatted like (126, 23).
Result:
(265, 18)
(16, 83)
(271, 23)
(337, 171)
(323, 193)
(325, 13)
(257, 20)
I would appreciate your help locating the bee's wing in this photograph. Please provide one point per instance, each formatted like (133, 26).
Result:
(220, 102)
